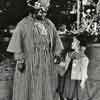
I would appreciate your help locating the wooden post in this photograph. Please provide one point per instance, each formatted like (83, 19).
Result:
(98, 7)
(78, 14)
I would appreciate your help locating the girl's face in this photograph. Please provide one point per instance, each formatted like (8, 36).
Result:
(75, 44)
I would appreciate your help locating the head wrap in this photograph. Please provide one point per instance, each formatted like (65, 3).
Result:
(40, 4)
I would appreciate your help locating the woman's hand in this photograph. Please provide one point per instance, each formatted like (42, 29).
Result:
(21, 67)
(57, 60)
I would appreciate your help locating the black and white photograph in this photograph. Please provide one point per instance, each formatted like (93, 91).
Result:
(49, 50)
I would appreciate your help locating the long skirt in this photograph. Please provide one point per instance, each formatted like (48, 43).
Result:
(36, 82)
(71, 87)
(68, 88)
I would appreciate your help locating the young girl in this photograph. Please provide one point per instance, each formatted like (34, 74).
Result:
(74, 70)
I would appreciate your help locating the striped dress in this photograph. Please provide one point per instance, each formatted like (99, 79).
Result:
(36, 41)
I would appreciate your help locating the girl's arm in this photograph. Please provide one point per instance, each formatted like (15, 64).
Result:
(84, 67)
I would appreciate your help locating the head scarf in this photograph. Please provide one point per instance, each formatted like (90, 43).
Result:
(40, 4)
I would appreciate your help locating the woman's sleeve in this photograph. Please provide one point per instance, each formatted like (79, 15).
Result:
(58, 43)
(15, 45)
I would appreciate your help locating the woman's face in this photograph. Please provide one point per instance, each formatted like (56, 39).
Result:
(75, 43)
(41, 14)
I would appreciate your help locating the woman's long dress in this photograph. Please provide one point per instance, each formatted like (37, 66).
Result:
(37, 41)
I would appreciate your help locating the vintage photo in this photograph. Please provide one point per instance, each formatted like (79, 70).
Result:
(49, 50)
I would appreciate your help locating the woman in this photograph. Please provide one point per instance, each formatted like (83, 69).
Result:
(34, 44)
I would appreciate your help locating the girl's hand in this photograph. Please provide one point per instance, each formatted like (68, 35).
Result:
(62, 64)
(61, 68)
(82, 85)
(57, 60)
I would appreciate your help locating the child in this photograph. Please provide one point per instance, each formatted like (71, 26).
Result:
(74, 70)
